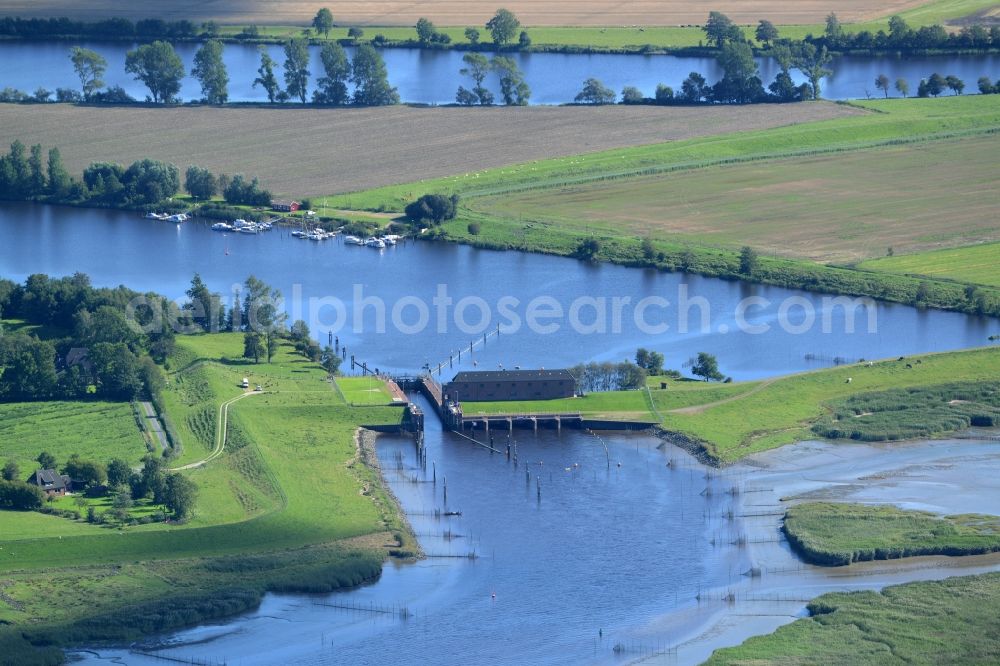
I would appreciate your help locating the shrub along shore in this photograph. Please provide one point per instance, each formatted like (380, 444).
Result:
(832, 534)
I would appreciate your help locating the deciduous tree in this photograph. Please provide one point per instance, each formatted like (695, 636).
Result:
(322, 23)
(337, 72)
(595, 92)
(89, 67)
(371, 79)
(210, 70)
(159, 68)
(882, 83)
(266, 77)
(707, 367)
(513, 88)
(297, 68)
(503, 26)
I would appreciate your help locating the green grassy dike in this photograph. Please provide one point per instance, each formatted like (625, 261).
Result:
(953, 621)
(833, 534)
(722, 423)
(485, 221)
(290, 504)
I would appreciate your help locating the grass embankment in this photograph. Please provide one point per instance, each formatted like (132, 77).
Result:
(288, 501)
(976, 264)
(702, 239)
(831, 534)
(953, 621)
(918, 396)
(778, 412)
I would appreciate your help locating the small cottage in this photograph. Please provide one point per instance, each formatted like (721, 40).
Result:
(284, 206)
(52, 482)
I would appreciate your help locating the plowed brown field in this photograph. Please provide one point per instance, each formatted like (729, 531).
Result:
(308, 152)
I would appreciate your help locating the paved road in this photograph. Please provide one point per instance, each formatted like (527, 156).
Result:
(154, 424)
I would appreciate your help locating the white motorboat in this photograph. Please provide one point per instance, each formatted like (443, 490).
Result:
(353, 240)
(221, 226)
(376, 243)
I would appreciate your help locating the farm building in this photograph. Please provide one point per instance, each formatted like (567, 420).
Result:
(285, 206)
(52, 482)
(510, 385)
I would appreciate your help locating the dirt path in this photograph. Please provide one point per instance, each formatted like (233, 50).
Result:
(698, 409)
(220, 432)
(154, 424)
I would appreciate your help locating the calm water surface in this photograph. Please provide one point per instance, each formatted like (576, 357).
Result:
(122, 248)
(432, 77)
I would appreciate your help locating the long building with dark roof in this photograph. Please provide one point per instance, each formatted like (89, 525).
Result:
(471, 386)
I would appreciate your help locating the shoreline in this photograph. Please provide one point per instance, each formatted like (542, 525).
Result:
(767, 275)
(694, 48)
(777, 585)
(367, 441)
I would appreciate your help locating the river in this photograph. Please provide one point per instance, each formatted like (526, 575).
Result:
(622, 551)
(432, 77)
(579, 548)
(755, 331)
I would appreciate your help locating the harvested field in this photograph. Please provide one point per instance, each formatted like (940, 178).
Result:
(840, 207)
(449, 12)
(309, 152)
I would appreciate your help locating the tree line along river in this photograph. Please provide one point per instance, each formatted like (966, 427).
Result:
(432, 77)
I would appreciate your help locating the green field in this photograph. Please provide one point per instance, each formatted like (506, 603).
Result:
(612, 405)
(953, 621)
(838, 534)
(548, 205)
(842, 207)
(364, 391)
(289, 477)
(781, 411)
(894, 121)
(634, 38)
(94, 430)
(976, 264)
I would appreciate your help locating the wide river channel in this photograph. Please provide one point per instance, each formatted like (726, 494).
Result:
(605, 548)
(432, 77)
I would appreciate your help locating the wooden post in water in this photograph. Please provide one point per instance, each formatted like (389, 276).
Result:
(445, 479)
(434, 467)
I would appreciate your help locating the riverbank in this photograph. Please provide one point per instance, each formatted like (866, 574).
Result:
(600, 28)
(258, 511)
(547, 206)
(721, 424)
(944, 478)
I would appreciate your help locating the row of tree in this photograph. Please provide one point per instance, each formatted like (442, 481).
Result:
(25, 174)
(719, 29)
(608, 376)
(901, 37)
(161, 70)
(29, 174)
(513, 88)
(94, 349)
